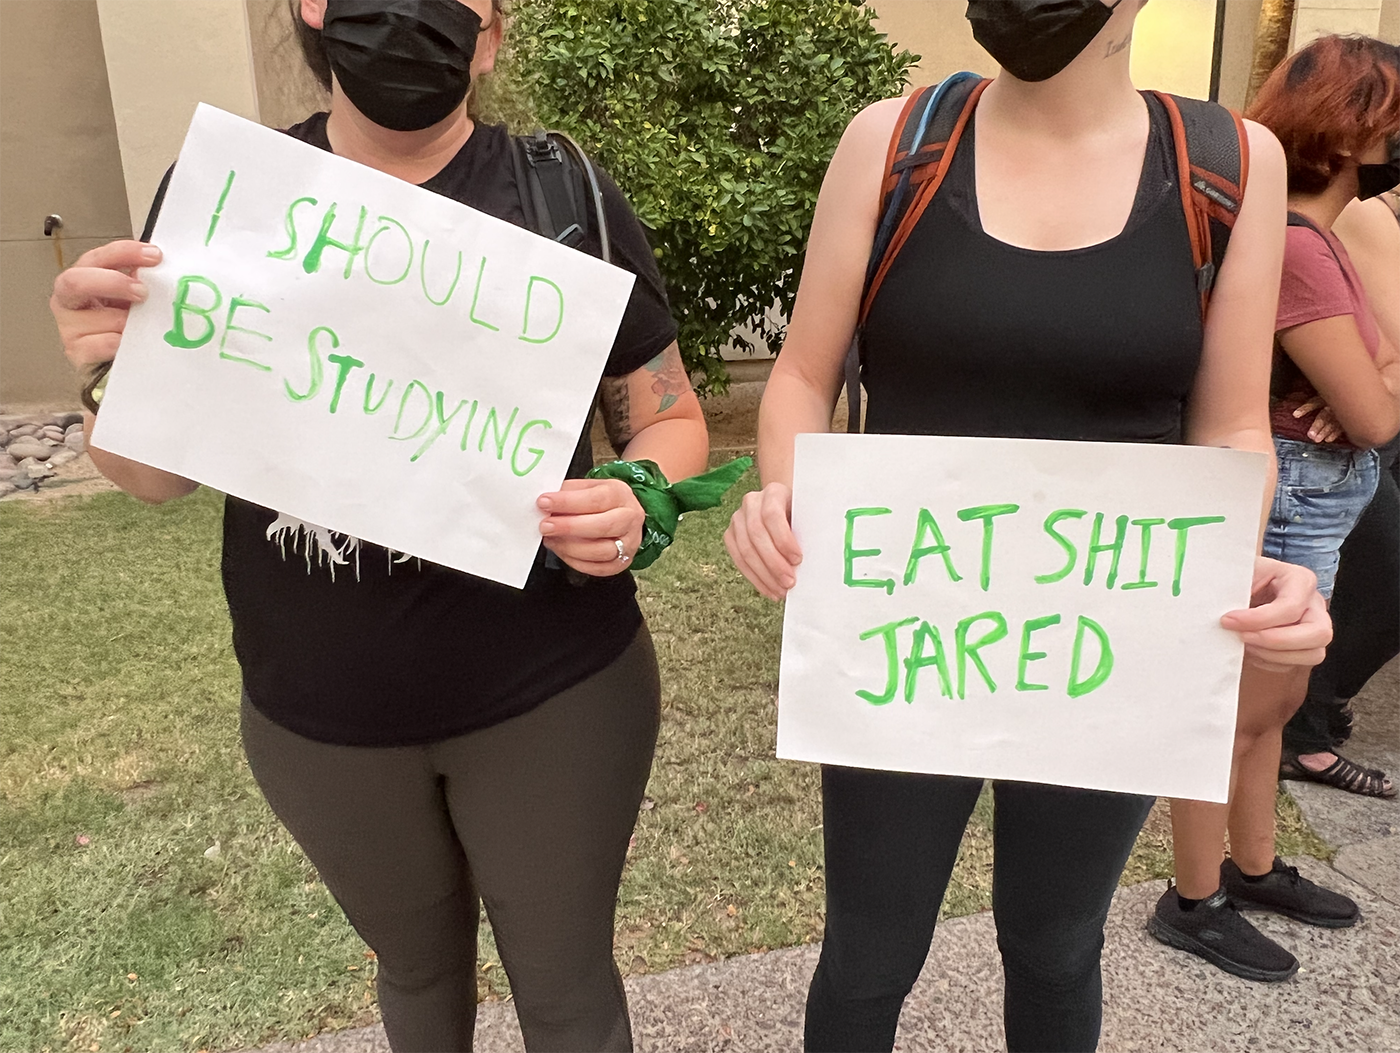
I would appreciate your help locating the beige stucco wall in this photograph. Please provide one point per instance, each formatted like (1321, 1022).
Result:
(164, 57)
(60, 156)
(1388, 27)
(1315, 18)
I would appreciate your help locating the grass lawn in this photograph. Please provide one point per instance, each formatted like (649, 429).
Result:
(149, 900)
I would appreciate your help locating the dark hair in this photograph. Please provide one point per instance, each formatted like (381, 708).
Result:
(1339, 95)
(314, 52)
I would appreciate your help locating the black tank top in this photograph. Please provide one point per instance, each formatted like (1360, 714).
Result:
(971, 336)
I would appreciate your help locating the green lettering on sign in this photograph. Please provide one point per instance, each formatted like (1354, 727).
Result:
(1181, 526)
(853, 554)
(917, 660)
(1071, 553)
(986, 513)
(1096, 679)
(969, 649)
(178, 336)
(891, 661)
(233, 307)
(315, 358)
(928, 525)
(1027, 656)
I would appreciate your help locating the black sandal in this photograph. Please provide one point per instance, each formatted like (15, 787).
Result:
(1342, 774)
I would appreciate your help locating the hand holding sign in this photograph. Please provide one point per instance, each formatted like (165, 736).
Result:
(430, 366)
(1041, 611)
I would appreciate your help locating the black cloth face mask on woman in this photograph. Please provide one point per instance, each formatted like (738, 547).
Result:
(1035, 39)
(1374, 180)
(405, 64)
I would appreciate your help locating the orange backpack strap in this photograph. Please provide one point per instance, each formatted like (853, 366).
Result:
(920, 154)
(921, 148)
(1212, 161)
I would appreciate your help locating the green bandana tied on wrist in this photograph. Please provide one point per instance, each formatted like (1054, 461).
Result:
(664, 502)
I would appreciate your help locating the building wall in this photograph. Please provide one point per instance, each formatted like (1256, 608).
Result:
(1315, 18)
(164, 57)
(61, 156)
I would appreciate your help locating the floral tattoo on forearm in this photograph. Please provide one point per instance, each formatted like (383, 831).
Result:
(669, 382)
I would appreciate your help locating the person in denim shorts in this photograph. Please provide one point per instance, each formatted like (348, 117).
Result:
(1335, 107)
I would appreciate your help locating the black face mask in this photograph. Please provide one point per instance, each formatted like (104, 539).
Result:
(1374, 180)
(405, 64)
(1035, 39)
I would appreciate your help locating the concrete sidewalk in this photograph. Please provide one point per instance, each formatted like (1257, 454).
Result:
(1346, 996)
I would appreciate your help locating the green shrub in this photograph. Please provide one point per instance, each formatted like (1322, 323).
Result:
(717, 119)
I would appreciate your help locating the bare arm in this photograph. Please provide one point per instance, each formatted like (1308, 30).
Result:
(595, 525)
(1287, 624)
(1372, 239)
(1229, 403)
(806, 379)
(652, 413)
(1361, 391)
(90, 303)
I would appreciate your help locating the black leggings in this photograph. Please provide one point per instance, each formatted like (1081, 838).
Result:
(891, 841)
(532, 815)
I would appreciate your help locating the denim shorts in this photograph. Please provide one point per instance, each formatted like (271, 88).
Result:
(1322, 491)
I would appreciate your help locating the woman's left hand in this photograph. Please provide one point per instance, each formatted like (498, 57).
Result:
(586, 519)
(1325, 426)
(1287, 625)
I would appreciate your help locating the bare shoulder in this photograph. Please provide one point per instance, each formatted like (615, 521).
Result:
(858, 166)
(1265, 153)
(1368, 224)
(1265, 196)
(873, 126)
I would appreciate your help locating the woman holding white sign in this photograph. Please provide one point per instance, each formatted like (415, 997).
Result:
(1048, 290)
(434, 740)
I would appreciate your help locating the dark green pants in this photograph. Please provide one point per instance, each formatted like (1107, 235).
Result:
(531, 817)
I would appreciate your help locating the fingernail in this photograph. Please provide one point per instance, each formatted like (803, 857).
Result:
(150, 254)
(544, 503)
(546, 527)
(139, 292)
(789, 582)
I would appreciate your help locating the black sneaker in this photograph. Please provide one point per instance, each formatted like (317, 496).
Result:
(1216, 931)
(1285, 891)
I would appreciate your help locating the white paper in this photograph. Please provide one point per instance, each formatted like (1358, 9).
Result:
(500, 362)
(1161, 719)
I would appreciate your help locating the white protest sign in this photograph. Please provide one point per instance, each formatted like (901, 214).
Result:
(1014, 609)
(357, 352)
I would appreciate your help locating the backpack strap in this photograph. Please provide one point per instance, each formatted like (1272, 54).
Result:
(920, 155)
(920, 151)
(1212, 161)
(560, 197)
(1297, 219)
(550, 185)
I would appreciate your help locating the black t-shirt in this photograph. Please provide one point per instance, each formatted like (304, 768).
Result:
(972, 336)
(345, 642)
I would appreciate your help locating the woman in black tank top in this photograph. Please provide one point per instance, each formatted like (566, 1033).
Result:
(1047, 292)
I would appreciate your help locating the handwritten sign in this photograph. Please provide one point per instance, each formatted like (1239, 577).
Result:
(1013, 609)
(359, 353)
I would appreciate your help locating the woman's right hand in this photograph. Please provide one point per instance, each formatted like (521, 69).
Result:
(90, 303)
(92, 298)
(761, 542)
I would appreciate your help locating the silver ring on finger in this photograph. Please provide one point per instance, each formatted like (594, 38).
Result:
(621, 550)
